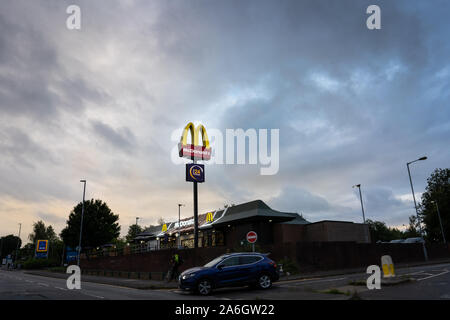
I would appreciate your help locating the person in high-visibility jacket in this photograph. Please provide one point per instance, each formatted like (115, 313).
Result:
(176, 262)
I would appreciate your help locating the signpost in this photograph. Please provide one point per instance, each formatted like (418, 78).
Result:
(251, 238)
(195, 173)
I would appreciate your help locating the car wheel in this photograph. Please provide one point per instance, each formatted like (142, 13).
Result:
(264, 281)
(204, 287)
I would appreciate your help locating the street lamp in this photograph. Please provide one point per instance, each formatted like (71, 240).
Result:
(440, 221)
(18, 241)
(81, 226)
(360, 198)
(415, 206)
(362, 208)
(179, 215)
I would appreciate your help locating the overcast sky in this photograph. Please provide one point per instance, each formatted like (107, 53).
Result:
(352, 105)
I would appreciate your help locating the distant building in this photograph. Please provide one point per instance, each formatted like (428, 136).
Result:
(228, 227)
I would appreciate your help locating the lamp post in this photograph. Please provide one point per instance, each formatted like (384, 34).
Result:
(81, 226)
(362, 208)
(440, 221)
(360, 198)
(415, 206)
(179, 216)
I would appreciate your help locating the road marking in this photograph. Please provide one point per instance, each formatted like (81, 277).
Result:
(60, 288)
(436, 275)
(42, 284)
(309, 280)
(414, 273)
(93, 295)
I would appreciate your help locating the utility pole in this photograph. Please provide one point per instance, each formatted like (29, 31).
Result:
(440, 221)
(18, 242)
(179, 226)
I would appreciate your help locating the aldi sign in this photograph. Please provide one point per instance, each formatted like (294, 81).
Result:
(42, 246)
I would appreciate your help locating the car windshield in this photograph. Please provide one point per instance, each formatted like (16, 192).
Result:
(213, 262)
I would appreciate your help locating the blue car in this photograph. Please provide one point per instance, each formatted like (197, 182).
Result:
(228, 270)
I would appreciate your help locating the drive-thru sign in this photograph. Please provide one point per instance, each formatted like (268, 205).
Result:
(252, 237)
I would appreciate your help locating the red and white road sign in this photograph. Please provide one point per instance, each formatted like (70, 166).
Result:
(252, 237)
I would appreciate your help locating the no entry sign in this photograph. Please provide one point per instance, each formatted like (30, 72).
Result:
(252, 237)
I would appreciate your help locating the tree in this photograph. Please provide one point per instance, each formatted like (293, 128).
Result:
(437, 191)
(161, 220)
(413, 230)
(99, 225)
(133, 231)
(41, 232)
(380, 232)
(8, 245)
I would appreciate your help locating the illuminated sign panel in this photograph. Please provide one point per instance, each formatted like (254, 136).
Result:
(194, 151)
(42, 246)
(195, 172)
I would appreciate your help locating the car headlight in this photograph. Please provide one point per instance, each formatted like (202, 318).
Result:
(186, 276)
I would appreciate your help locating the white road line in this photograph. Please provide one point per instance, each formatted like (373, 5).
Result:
(414, 273)
(436, 275)
(43, 284)
(60, 288)
(310, 280)
(93, 295)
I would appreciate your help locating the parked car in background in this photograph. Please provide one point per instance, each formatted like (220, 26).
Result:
(414, 240)
(397, 241)
(235, 269)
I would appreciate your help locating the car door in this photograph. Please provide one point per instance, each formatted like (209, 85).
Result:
(228, 272)
(249, 268)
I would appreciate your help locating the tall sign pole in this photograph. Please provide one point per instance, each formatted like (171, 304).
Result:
(195, 172)
(195, 215)
(18, 241)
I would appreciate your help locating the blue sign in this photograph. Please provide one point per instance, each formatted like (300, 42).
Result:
(71, 254)
(195, 172)
(42, 246)
(41, 255)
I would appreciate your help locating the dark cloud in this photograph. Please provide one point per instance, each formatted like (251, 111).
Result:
(293, 199)
(121, 138)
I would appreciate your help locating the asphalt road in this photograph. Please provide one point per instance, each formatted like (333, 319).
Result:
(16, 285)
(430, 282)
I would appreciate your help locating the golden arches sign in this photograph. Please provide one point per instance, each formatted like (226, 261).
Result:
(209, 217)
(195, 151)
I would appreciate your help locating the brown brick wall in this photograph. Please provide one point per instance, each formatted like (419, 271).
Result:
(309, 256)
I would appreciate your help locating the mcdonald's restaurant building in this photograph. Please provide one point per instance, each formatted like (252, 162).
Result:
(228, 227)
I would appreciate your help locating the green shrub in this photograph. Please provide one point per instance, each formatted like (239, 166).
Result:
(34, 263)
(288, 265)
